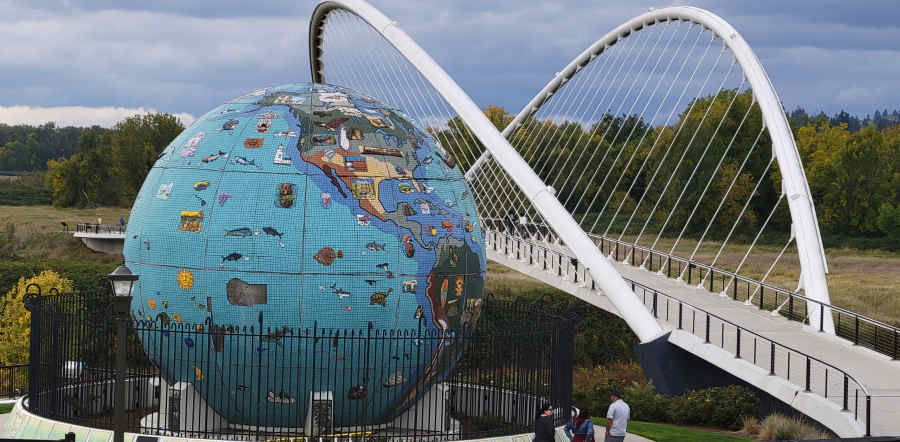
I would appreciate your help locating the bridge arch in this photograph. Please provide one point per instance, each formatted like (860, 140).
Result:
(805, 228)
(537, 192)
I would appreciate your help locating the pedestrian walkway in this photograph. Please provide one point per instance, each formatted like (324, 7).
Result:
(821, 375)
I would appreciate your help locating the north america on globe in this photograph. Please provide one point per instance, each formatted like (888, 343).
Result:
(301, 208)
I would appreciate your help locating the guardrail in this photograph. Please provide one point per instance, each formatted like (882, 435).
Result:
(816, 376)
(856, 328)
(859, 329)
(99, 228)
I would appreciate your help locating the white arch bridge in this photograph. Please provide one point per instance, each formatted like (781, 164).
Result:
(655, 177)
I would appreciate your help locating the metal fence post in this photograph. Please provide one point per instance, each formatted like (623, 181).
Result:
(821, 318)
(32, 302)
(707, 327)
(680, 308)
(807, 374)
(846, 393)
(856, 328)
(655, 295)
(772, 359)
(121, 305)
(868, 415)
(737, 347)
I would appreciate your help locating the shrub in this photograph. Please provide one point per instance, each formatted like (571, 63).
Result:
(721, 407)
(645, 403)
(15, 324)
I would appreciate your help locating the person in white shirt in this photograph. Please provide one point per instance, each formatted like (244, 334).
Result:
(616, 418)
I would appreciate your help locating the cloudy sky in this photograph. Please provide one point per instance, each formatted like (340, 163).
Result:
(94, 61)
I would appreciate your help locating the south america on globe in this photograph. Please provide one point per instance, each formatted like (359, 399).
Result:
(298, 209)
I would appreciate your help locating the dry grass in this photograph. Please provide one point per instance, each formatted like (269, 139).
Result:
(864, 281)
(779, 427)
(39, 231)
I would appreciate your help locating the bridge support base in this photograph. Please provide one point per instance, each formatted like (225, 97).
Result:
(674, 371)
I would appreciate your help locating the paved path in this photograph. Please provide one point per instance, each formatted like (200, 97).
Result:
(877, 373)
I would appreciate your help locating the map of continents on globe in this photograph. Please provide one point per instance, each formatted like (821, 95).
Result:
(306, 206)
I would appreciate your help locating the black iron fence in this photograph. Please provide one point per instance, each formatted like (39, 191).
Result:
(243, 382)
(13, 380)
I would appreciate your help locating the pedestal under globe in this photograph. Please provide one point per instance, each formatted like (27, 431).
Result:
(293, 212)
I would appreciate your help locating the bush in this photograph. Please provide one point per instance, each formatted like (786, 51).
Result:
(645, 403)
(721, 407)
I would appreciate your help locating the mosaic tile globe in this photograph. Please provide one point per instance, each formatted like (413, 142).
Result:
(303, 208)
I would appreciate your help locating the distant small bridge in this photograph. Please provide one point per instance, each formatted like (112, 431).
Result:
(103, 238)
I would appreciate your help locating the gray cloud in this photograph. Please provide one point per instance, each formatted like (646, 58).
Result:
(187, 57)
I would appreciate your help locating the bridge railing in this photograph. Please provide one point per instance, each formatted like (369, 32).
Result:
(100, 228)
(812, 374)
(854, 327)
(858, 329)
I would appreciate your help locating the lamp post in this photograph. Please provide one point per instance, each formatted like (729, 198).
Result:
(122, 282)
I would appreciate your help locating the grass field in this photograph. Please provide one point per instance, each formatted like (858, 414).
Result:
(864, 281)
(6, 408)
(672, 433)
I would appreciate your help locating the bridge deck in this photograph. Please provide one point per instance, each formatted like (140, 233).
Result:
(763, 337)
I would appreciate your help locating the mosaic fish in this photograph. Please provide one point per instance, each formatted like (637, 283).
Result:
(374, 246)
(230, 124)
(271, 231)
(419, 311)
(370, 281)
(383, 266)
(223, 197)
(380, 298)
(201, 185)
(240, 232)
(214, 157)
(245, 162)
(341, 293)
(232, 257)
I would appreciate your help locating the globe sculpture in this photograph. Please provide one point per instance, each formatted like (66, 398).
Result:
(293, 210)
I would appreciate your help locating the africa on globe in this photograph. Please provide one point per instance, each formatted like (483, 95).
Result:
(296, 209)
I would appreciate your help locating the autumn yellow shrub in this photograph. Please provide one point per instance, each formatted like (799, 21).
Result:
(15, 323)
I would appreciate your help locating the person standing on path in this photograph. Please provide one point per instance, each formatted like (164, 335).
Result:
(581, 429)
(616, 418)
(544, 430)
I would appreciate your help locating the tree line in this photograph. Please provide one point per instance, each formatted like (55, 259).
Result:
(109, 166)
(28, 148)
(854, 175)
(852, 165)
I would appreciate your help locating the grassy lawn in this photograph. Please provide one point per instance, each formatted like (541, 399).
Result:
(6, 408)
(672, 433)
